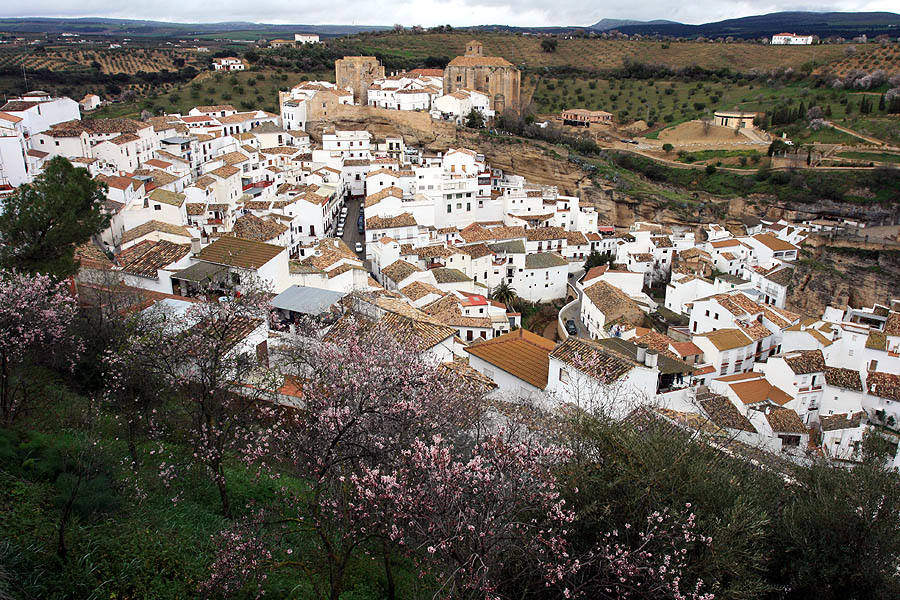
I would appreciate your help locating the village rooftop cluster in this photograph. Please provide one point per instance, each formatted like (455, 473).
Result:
(427, 245)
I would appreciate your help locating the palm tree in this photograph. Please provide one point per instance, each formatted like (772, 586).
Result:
(504, 293)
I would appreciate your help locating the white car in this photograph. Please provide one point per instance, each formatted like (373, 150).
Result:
(344, 211)
(340, 232)
(359, 247)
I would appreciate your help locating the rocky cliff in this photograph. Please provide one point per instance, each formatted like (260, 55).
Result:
(839, 276)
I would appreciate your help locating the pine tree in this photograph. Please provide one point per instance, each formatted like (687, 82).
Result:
(43, 222)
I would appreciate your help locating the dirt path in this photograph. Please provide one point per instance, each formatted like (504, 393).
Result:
(871, 140)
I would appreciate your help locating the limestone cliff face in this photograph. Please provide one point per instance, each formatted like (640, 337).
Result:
(837, 278)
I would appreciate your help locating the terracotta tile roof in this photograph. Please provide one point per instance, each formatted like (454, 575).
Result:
(204, 181)
(780, 276)
(448, 275)
(683, 349)
(251, 227)
(401, 220)
(236, 118)
(215, 107)
(447, 310)
(433, 251)
(123, 138)
(479, 61)
(152, 226)
(758, 391)
(232, 158)
(520, 353)
(659, 342)
(614, 304)
(876, 341)
(159, 178)
(167, 197)
(773, 243)
(89, 256)
(883, 385)
(892, 325)
(602, 363)
(803, 362)
(545, 260)
(841, 421)
(459, 372)
(727, 339)
(373, 199)
(399, 270)
(9, 118)
(722, 244)
(546, 233)
(225, 172)
(238, 252)
(96, 126)
(785, 420)
(723, 413)
(753, 329)
(195, 208)
(476, 250)
(477, 233)
(228, 332)
(118, 182)
(847, 379)
(147, 257)
(576, 238)
(419, 289)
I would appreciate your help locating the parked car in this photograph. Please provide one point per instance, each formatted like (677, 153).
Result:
(359, 247)
(340, 232)
(571, 328)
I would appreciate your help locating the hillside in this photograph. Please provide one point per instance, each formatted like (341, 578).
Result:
(117, 27)
(593, 54)
(607, 24)
(824, 24)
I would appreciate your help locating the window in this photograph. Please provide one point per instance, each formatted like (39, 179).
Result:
(157, 207)
(563, 376)
(873, 365)
(449, 208)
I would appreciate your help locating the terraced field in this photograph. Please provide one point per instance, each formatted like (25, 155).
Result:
(869, 57)
(599, 54)
(111, 61)
(672, 102)
(245, 90)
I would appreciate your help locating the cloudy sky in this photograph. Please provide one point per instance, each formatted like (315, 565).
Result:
(426, 12)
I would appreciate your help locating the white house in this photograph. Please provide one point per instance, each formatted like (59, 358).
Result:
(518, 362)
(792, 39)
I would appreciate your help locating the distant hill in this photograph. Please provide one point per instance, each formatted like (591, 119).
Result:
(607, 24)
(801, 23)
(118, 27)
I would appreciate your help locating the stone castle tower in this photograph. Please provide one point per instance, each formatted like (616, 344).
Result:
(357, 73)
(492, 75)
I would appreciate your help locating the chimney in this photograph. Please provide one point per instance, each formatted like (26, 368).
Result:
(195, 245)
(651, 358)
(641, 353)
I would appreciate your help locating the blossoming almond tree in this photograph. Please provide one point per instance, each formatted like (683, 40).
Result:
(213, 354)
(36, 320)
(365, 398)
(476, 522)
